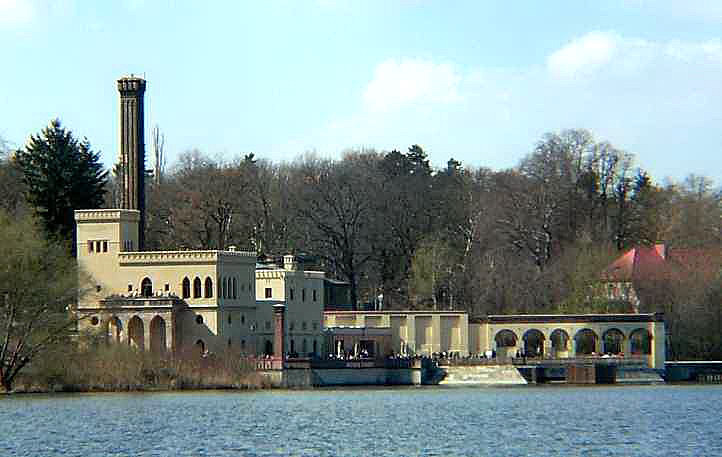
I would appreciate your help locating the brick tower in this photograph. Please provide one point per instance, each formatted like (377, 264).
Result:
(132, 148)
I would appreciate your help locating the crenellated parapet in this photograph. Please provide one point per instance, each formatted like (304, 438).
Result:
(107, 215)
(185, 257)
(130, 85)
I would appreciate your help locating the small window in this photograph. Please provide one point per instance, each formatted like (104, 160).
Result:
(269, 292)
(97, 288)
(229, 342)
(105, 246)
(314, 294)
(97, 246)
(199, 319)
(243, 345)
(197, 288)
(230, 320)
(186, 288)
(291, 325)
(290, 293)
(166, 287)
(146, 287)
(94, 320)
(243, 319)
(209, 288)
(130, 287)
(303, 326)
(315, 325)
(90, 246)
(303, 295)
(235, 295)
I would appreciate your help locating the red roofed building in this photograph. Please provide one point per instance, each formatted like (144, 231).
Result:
(639, 272)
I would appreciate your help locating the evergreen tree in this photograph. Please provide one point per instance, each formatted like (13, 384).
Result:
(62, 174)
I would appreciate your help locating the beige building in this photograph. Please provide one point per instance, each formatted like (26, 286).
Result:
(169, 300)
(302, 292)
(411, 332)
(541, 336)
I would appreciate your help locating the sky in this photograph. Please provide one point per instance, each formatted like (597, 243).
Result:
(478, 81)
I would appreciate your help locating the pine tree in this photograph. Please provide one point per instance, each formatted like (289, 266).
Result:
(62, 174)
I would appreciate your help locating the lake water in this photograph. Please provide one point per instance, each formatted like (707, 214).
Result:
(528, 421)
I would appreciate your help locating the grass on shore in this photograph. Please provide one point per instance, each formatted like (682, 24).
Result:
(115, 367)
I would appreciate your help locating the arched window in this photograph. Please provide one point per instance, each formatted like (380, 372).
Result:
(197, 288)
(186, 288)
(146, 287)
(209, 288)
(234, 289)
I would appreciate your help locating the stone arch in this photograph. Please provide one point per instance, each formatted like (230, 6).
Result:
(201, 346)
(505, 338)
(146, 287)
(135, 333)
(114, 329)
(613, 340)
(209, 288)
(585, 341)
(560, 341)
(197, 287)
(186, 288)
(157, 335)
(640, 341)
(268, 348)
(533, 343)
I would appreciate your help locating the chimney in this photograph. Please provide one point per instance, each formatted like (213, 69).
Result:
(661, 250)
(289, 263)
(279, 316)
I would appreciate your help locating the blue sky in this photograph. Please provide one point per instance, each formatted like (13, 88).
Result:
(477, 81)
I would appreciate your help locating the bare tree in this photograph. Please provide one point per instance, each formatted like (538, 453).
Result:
(38, 286)
(159, 165)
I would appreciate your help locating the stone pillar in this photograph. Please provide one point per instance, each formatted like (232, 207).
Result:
(410, 334)
(146, 335)
(279, 340)
(627, 346)
(169, 336)
(132, 148)
(436, 333)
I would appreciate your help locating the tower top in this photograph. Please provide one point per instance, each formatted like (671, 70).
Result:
(131, 85)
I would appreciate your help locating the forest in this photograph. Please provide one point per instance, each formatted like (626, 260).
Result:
(405, 234)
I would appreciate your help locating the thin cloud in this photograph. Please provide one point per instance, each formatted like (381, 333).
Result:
(399, 83)
(16, 13)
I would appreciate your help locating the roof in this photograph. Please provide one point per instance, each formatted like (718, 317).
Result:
(568, 318)
(642, 262)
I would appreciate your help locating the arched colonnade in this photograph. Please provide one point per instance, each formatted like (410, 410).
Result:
(551, 341)
(151, 332)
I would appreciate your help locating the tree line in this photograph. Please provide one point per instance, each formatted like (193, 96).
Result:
(405, 234)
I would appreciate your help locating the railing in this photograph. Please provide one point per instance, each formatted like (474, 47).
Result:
(274, 363)
(637, 360)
